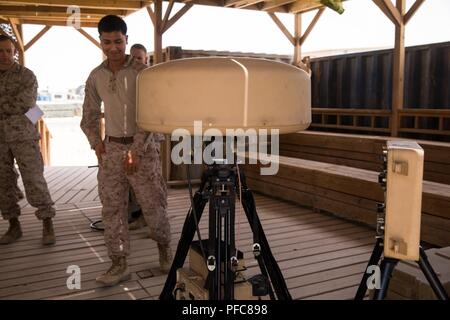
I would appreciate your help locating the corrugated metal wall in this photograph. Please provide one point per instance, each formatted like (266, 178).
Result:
(364, 80)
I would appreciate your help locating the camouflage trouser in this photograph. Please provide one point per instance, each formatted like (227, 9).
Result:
(149, 188)
(31, 166)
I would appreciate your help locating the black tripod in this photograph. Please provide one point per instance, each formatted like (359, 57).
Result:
(387, 266)
(219, 184)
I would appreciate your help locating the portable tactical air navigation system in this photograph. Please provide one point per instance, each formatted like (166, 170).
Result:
(224, 94)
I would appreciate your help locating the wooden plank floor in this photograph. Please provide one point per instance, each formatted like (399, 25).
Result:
(321, 257)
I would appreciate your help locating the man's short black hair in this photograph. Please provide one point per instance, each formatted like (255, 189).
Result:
(112, 23)
(138, 46)
(5, 37)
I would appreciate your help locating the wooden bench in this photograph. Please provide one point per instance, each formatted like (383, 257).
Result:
(361, 151)
(348, 192)
(409, 282)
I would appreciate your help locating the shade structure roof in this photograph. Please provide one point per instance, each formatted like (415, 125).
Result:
(57, 12)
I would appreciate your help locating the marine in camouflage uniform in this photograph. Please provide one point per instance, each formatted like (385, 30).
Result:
(117, 90)
(19, 140)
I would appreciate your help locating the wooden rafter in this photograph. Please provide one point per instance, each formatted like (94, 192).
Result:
(93, 4)
(54, 12)
(151, 14)
(14, 25)
(412, 10)
(393, 11)
(282, 27)
(61, 23)
(167, 14)
(271, 4)
(390, 11)
(232, 3)
(89, 37)
(177, 16)
(303, 6)
(249, 3)
(297, 39)
(36, 37)
(311, 25)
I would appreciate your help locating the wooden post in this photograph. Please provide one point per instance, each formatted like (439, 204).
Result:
(160, 26)
(22, 44)
(398, 69)
(157, 58)
(17, 31)
(297, 36)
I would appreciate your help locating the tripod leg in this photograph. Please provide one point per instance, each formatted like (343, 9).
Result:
(229, 242)
(187, 234)
(431, 276)
(387, 267)
(215, 250)
(265, 273)
(374, 259)
(275, 274)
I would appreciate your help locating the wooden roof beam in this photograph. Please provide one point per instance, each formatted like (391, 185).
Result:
(14, 25)
(249, 3)
(282, 27)
(92, 4)
(272, 4)
(44, 10)
(167, 14)
(89, 37)
(176, 17)
(55, 17)
(36, 37)
(394, 11)
(412, 10)
(303, 6)
(311, 25)
(151, 14)
(390, 11)
(233, 3)
(62, 23)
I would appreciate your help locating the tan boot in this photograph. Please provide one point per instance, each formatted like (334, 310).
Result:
(48, 234)
(165, 257)
(117, 272)
(137, 224)
(14, 232)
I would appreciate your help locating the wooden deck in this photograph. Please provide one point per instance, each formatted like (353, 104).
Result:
(321, 257)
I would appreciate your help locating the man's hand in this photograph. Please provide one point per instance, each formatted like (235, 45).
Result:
(99, 149)
(130, 162)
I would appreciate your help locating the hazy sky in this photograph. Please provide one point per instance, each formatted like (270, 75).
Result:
(63, 58)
